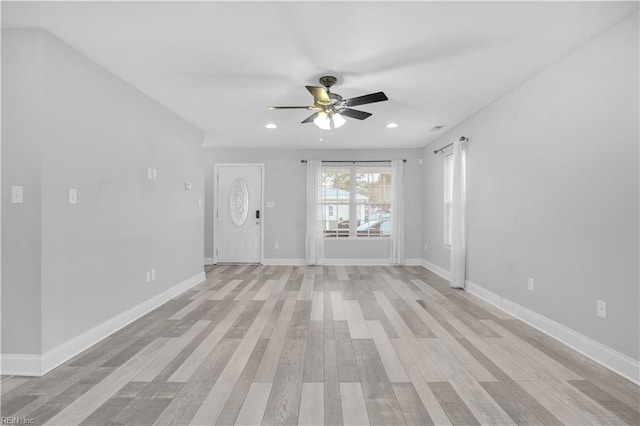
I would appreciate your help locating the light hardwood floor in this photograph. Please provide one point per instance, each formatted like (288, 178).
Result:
(325, 345)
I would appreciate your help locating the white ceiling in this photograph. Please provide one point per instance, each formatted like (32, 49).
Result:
(220, 64)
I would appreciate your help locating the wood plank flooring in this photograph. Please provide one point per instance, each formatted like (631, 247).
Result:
(348, 345)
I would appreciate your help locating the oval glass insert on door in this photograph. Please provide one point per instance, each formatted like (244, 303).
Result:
(239, 201)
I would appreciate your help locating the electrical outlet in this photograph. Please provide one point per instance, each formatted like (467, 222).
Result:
(601, 309)
(153, 274)
(276, 246)
(530, 284)
(148, 276)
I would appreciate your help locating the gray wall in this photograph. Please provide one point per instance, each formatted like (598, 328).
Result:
(553, 191)
(285, 185)
(21, 166)
(99, 135)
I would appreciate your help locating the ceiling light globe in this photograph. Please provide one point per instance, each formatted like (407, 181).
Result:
(338, 120)
(322, 121)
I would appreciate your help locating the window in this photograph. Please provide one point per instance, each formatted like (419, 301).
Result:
(356, 201)
(448, 197)
(448, 194)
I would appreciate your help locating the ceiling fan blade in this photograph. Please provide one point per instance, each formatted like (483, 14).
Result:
(367, 99)
(311, 118)
(319, 93)
(354, 113)
(292, 107)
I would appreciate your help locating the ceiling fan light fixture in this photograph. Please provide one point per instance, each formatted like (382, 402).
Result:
(330, 108)
(328, 121)
(338, 120)
(322, 121)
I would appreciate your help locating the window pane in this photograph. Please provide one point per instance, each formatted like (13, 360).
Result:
(448, 178)
(447, 224)
(336, 220)
(448, 197)
(373, 187)
(335, 185)
(374, 220)
(336, 197)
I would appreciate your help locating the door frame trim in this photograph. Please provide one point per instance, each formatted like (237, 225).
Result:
(216, 168)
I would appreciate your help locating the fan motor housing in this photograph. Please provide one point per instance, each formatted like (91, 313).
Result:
(335, 98)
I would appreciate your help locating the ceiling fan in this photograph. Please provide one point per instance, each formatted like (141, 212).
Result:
(331, 108)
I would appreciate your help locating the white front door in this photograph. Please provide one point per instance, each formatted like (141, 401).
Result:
(239, 213)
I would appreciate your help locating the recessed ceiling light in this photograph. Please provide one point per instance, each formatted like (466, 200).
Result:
(271, 126)
(392, 125)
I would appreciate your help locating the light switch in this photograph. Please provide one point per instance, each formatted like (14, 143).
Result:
(199, 202)
(270, 204)
(187, 186)
(73, 196)
(149, 173)
(154, 174)
(153, 274)
(16, 195)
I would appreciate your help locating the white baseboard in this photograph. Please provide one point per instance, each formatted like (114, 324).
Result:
(20, 365)
(356, 262)
(610, 358)
(618, 362)
(346, 262)
(435, 269)
(274, 262)
(34, 365)
(365, 262)
(208, 260)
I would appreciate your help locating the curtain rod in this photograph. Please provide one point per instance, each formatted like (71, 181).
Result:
(462, 139)
(355, 161)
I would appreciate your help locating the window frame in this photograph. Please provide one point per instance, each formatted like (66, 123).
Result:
(353, 203)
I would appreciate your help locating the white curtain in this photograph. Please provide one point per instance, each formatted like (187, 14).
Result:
(397, 212)
(314, 243)
(458, 217)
